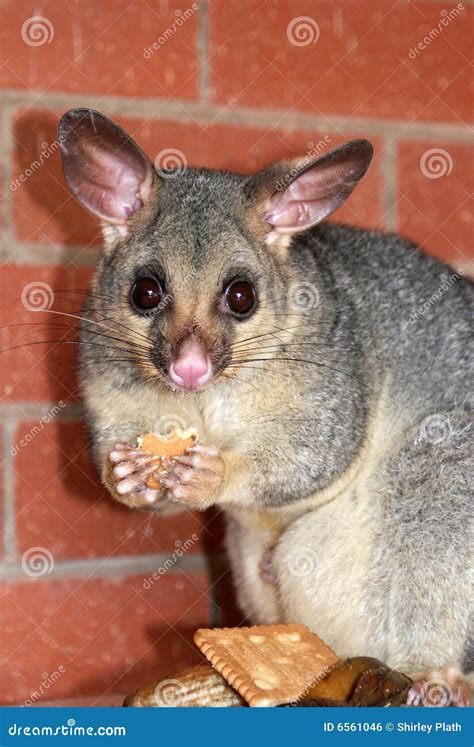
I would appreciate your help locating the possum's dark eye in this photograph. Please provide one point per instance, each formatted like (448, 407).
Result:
(240, 298)
(147, 294)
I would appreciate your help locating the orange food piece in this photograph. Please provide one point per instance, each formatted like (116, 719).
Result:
(165, 448)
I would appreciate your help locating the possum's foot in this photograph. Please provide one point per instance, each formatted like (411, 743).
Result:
(130, 470)
(446, 687)
(196, 477)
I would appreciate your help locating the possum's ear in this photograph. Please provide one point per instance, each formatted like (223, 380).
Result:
(296, 195)
(106, 170)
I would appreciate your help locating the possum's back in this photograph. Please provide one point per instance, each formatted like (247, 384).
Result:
(413, 312)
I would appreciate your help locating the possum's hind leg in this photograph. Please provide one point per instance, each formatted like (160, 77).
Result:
(423, 549)
(447, 687)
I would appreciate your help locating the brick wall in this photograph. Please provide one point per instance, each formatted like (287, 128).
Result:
(231, 85)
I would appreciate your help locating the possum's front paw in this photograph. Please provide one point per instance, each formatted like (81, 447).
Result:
(130, 469)
(447, 687)
(196, 477)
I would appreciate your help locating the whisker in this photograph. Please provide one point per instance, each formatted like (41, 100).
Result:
(290, 360)
(315, 345)
(139, 356)
(48, 326)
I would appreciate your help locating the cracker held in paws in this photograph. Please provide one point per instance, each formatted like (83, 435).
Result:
(165, 448)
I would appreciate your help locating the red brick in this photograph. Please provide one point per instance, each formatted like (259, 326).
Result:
(437, 212)
(359, 66)
(62, 506)
(2, 492)
(43, 208)
(99, 48)
(108, 635)
(42, 368)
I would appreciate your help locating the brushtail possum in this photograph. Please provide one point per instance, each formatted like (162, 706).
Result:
(325, 368)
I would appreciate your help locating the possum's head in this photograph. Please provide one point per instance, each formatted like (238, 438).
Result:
(197, 263)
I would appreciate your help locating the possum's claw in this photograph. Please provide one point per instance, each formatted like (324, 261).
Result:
(130, 470)
(196, 477)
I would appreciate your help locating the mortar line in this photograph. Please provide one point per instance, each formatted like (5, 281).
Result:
(4, 184)
(119, 567)
(9, 480)
(7, 144)
(21, 411)
(157, 109)
(202, 44)
(389, 178)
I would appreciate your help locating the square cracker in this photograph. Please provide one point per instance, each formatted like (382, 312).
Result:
(267, 664)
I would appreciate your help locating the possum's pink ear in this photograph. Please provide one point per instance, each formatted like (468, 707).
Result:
(106, 170)
(306, 193)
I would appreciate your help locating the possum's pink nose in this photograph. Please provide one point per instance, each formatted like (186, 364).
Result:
(192, 366)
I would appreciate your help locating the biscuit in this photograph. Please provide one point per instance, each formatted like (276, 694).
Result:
(268, 665)
(174, 444)
(197, 687)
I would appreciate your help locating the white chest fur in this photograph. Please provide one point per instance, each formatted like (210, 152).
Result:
(322, 564)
